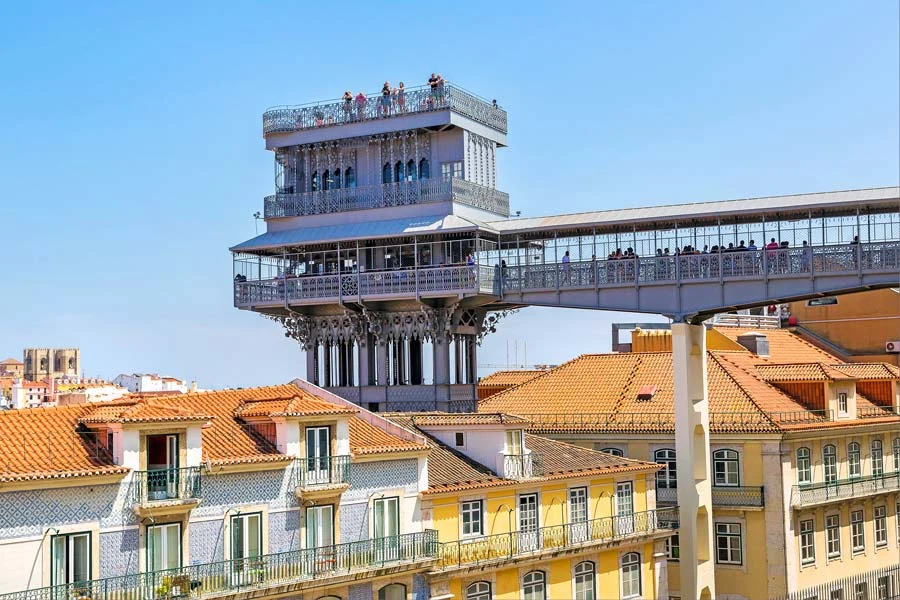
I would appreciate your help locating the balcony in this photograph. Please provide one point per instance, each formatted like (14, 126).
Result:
(522, 466)
(557, 539)
(722, 496)
(321, 476)
(418, 100)
(166, 490)
(286, 572)
(367, 285)
(403, 193)
(804, 496)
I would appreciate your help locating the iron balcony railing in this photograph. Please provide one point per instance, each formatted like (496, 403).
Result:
(166, 485)
(876, 412)
(878, 584)
(844, 489)
(218, 579)
(504, 546)
(522, 466)
(402, 193)
(319, 471)
(722, 496)
(663, 421)
(414, 100)
(846, 258)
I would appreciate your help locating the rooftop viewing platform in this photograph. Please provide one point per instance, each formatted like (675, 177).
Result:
(363, 107)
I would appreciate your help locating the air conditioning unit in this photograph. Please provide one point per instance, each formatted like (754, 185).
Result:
(892, 347)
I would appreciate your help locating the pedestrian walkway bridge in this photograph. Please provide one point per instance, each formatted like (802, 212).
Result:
(683, 261)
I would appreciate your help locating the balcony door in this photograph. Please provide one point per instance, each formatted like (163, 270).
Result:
(320, 538)
(71, 558)
(528, 523)
(624, 508)
(318, 454)
(386, 528)
(578, 515)
(163, 547)
(246, 547)
(162, 466)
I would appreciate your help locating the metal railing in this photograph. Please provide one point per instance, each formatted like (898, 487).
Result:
(879, 584)
(321, 471)
(402, 193)
(721, 495)
(522, 466)
(754, 321)
(844, 489)
(231, 576)
(166, 485)
(555, 537)
(420, 99)
(875, 412)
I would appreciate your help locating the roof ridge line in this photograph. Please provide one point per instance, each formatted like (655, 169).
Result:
(743, 391)
(638, 361)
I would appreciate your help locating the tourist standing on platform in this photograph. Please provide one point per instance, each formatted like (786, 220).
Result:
(360, 106)
(385, 108)
(348, 104)
(401, 97)
(565, 263)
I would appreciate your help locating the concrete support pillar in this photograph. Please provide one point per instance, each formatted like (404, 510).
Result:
(458, 349)
(441, 360)
(692, 461)
(381, 357)
(415, 362)
(312, 365)
(471, 359)
(366, 361)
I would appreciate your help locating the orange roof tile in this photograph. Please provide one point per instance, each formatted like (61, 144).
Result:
(365, 438)
(11, 361)
(785, 346)
(869, 370)
(300, 404)
(44, 443)
(800, 372)
(451, 419)
(506, 378)
(140, 411)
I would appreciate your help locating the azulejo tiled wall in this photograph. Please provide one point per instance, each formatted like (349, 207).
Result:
(207, 541)
(284, 531)
(222, 491)
(360, 592)
(369, 477)
(354, 522)
(29, 513)
(118, 552)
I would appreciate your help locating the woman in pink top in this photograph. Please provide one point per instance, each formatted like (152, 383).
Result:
(360, 105)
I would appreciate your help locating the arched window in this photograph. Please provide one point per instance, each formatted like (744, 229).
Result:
(326, 180)
(399, 171)
(613, 451)
(349, 178)
(631, 575)
(411, 169)
(853, 459)
(829, 461)
(534, 586)
(584, 581)
(424, 169)
(393, 591)
(666, 477)
(725, 468)
(877, 458)
(315, 183)
(386, 173)
(480, 590)
(336, 179)
(43, 364)
(71, 363)
(804, 468)
(897, 463)
(329, 598)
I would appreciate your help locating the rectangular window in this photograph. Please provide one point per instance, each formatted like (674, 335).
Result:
(861, 591)
(728, 544)
(514, 442)
(857, 532)
(452, 169)
(624, 507)
(471, 518)
(163, 547)
(246, 545)
(320, 526)
(807, 542)
(833, 536)
(842, 403)
(460, 439)
(897, 520)
(836, 595)
(673, 550)
(726, 471)
(387, 517)
(883, 587)
(578, 515)
(853, 460)
(70, 558)
(880, 513)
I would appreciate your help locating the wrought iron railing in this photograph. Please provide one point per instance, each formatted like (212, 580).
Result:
(402, 193)
(321, 471)
(522, 466)
(165, 485)
(722, 496)
(879, 584)
(421, 99)
(260, 573)
(876, 412)
(504, 546)
(844, 489)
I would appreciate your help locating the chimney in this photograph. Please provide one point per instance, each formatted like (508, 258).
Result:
(193, 386)
(756, 343)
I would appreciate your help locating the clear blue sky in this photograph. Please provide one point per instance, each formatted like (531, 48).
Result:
(131, 154)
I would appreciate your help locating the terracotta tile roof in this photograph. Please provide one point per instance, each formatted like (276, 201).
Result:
(300, 404)
(365, 438)
(785, 346)
(12, 361)
(800, 372)
(42, 443)
(507, 378)
(450, 470)
(141, 411)
(155, 394)
(869, 370)
(451, 419)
